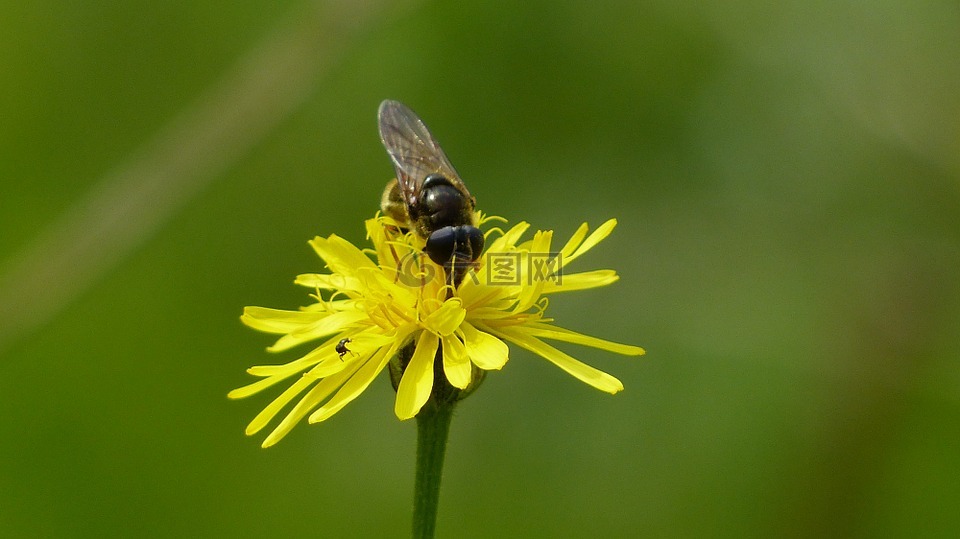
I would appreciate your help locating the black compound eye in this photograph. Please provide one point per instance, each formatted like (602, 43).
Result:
(475, 239)
(440, 245)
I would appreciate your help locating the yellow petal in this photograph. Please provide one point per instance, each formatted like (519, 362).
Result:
(276, 405)
(598, 235)
(256, 387)
(575, 240)
(355, 385)
(534, 283)
(377, 236)
(485, 350)
(447, 318)
(311, 358)
(391, 249)
(378, 286)
(359, 348)
(325, 281)
(474, 295)
(585, 280)
(340, 255)
(509, 239)
(417, 381)
(561, 334)
(579, 370)
(278, 320)
(311, 400)
(331, 305)
(325, 353)
(456, 363)
(328, 325)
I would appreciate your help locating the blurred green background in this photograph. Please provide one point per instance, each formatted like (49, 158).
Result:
(787, 181)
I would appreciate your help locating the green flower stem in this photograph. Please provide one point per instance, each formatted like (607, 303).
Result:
(433, 426)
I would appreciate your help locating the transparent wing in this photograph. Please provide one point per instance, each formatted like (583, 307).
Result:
(413, 150)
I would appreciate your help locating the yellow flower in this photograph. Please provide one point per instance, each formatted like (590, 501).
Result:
(365, 313)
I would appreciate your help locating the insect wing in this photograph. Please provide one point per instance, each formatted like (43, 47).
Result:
(413, 150)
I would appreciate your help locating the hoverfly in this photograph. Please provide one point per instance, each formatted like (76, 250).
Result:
(428, 194)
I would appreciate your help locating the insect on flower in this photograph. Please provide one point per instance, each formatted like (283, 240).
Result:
(437, 338)
(342, 347)
(428, 194)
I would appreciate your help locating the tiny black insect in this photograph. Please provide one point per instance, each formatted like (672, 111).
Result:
(342, 347)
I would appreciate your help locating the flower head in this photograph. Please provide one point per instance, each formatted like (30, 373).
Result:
(393, 305)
